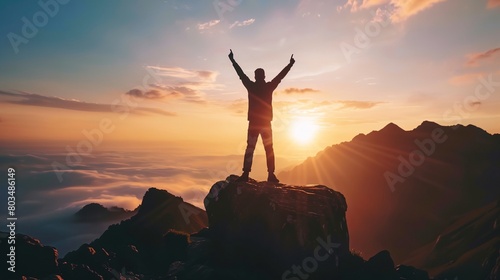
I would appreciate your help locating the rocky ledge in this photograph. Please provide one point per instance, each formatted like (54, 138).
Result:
(251, 230)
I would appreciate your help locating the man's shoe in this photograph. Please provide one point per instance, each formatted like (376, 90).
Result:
(272, 178)
(243, 177)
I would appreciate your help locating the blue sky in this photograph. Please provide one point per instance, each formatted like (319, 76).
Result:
(417, 62)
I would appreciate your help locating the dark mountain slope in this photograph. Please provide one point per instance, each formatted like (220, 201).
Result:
(404, 186)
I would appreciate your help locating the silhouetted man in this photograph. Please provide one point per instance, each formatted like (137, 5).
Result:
(260, 115)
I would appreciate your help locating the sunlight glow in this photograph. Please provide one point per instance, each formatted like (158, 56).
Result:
(303, 130)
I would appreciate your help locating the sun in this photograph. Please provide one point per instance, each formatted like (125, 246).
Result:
(303, 130)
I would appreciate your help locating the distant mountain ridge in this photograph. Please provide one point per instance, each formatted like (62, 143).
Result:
(404, 186)
(95, 212)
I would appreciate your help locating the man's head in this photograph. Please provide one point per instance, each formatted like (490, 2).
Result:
(260, 74)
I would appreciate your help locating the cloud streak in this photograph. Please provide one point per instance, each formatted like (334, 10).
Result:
(405, 9)
(182, 73)
(299, 90)
(305, 106)
(475, 59)
(208, 24)
(352, 5)
(242, 23)
(493, 4)
(371, 3)
(353, 104)
(465, 79)
(150, 94)
(33, 99)
(400, 10)
(184, 84)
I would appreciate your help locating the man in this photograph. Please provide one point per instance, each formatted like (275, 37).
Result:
(260, 115)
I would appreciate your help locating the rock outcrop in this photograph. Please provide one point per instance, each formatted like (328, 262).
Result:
(147, 242)
(256, 230)
(29, 257)
(276, 224)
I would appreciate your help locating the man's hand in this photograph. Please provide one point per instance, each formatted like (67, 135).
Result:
(231, 54)
(292, 61)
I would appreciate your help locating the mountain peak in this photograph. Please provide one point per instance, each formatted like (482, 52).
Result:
(391, 128)
(154, 198)
(95, 212)
(427, 126)
(161, 210)
(387, 134)
(91, 208)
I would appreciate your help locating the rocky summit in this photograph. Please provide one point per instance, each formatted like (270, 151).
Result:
(277, 224)
(251, 230)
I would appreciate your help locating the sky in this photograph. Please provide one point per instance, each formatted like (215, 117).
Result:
(123, 95)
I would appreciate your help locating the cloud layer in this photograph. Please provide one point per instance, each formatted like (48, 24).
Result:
(179, 83)
(208, 24)
(353, 104)
(299, 90)
(476, 58)
(242, 23)
(47, 204)
(493, 4)
(150, 94)
(400, 10)
(33, 99)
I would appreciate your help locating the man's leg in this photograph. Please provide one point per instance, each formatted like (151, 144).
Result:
(252, 136)
(267, 139)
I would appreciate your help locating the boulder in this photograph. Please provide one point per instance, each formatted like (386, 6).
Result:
(411, 273)
(273, 223)
(381, 266)
(32, 258)
(78, 272)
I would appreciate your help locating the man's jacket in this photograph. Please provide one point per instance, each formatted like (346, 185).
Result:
(260, 94)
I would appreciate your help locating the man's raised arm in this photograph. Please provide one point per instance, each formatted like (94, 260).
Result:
(283, 72)
(238, 69)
